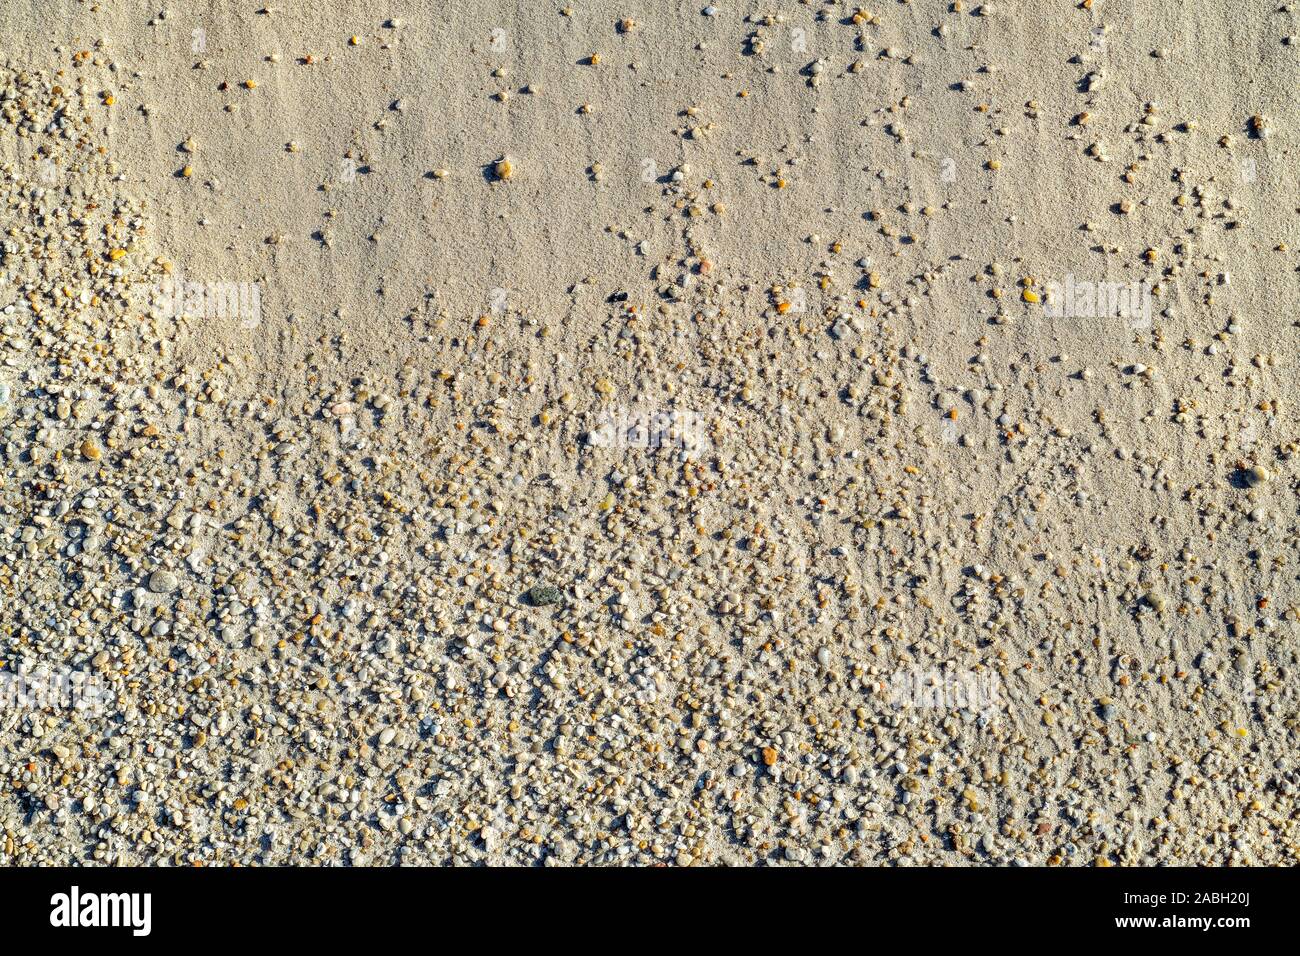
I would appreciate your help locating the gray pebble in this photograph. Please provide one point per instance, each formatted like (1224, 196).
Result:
(163, 582)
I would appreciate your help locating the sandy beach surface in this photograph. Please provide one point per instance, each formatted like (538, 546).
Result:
(627, 433)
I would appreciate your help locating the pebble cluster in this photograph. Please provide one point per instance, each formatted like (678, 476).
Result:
(423, 618)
